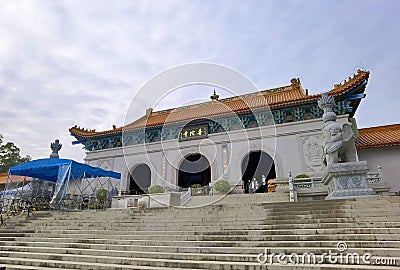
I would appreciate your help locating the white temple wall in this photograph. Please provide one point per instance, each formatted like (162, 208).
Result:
(293, 146)
(389, 159)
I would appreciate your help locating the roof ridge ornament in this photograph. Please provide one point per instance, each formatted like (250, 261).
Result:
(214, 97)
(295, 83)
(351, 80)
(149, 111)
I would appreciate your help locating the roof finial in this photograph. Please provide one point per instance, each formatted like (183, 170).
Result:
(295, 83)
(215, 96)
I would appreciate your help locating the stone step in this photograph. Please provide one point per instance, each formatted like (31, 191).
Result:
(233, 222)
(269, 207)
(252, 200)
(245, 234)
(266, 206)
(220, 210)
(210, 227)
(209, 230)
(223, 254)
(224, 216)
(184, 247)
(250, 217)
(21, 267)
(248, 200)
(229, 257)
(268, 197)
(71, 259)
(258, 216)
(208, 209)
(249, 213)
(15, 263)
(316, 229)
(209, 240)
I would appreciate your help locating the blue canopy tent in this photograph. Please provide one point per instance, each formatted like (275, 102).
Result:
(50, 169)
(59, 172)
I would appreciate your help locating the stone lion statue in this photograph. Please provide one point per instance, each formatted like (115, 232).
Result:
(339, 143)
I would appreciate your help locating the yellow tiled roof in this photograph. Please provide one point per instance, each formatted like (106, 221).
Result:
(274, 98)
(3, 178)
(15, 178)
(378, 136)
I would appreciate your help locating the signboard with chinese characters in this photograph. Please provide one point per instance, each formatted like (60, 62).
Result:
(193, 133)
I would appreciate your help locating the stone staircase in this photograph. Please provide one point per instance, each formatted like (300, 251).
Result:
(228, 235)
(200, 201)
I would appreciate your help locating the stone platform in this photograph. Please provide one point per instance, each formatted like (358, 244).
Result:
(347, 180)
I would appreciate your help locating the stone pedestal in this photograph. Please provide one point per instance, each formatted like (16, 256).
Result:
(347, 180)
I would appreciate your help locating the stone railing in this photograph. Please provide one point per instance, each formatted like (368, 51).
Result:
(308, 183)
(299, 183)
(375, 177)
(185, 196)
(375, 180)
(314, 187)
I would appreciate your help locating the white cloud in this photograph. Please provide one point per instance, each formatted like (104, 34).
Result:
(78, 62)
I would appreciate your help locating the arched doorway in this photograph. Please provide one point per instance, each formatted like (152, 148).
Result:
(139, 179)
(256, 164)
(194, 169)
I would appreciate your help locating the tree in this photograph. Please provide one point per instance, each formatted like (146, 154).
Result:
(10, 155)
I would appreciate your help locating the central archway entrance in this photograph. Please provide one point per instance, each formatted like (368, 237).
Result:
(194, 169)
(139, 179)
(254, 165)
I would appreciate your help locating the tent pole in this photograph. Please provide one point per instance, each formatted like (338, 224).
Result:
(81, 195)
(109, 191)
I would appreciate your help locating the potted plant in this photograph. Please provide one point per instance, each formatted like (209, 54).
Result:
(301, 178)
(222, 186)
(156, 189)
(101, 196)
(303, 175)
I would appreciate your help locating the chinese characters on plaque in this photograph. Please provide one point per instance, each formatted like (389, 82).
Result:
(193, 133)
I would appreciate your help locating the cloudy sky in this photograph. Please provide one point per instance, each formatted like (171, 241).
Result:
(80, 62)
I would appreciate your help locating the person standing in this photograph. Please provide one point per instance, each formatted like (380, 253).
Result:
(264, 184)
(29, 207)
(256, 184)
(247, 188)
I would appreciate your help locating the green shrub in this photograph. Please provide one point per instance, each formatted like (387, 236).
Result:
(195, 186)
(222, 186)
(303, 175)
(101, 194)
(156, 189)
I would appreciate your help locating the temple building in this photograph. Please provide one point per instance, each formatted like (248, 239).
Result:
(265, 134)
(380, 147)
